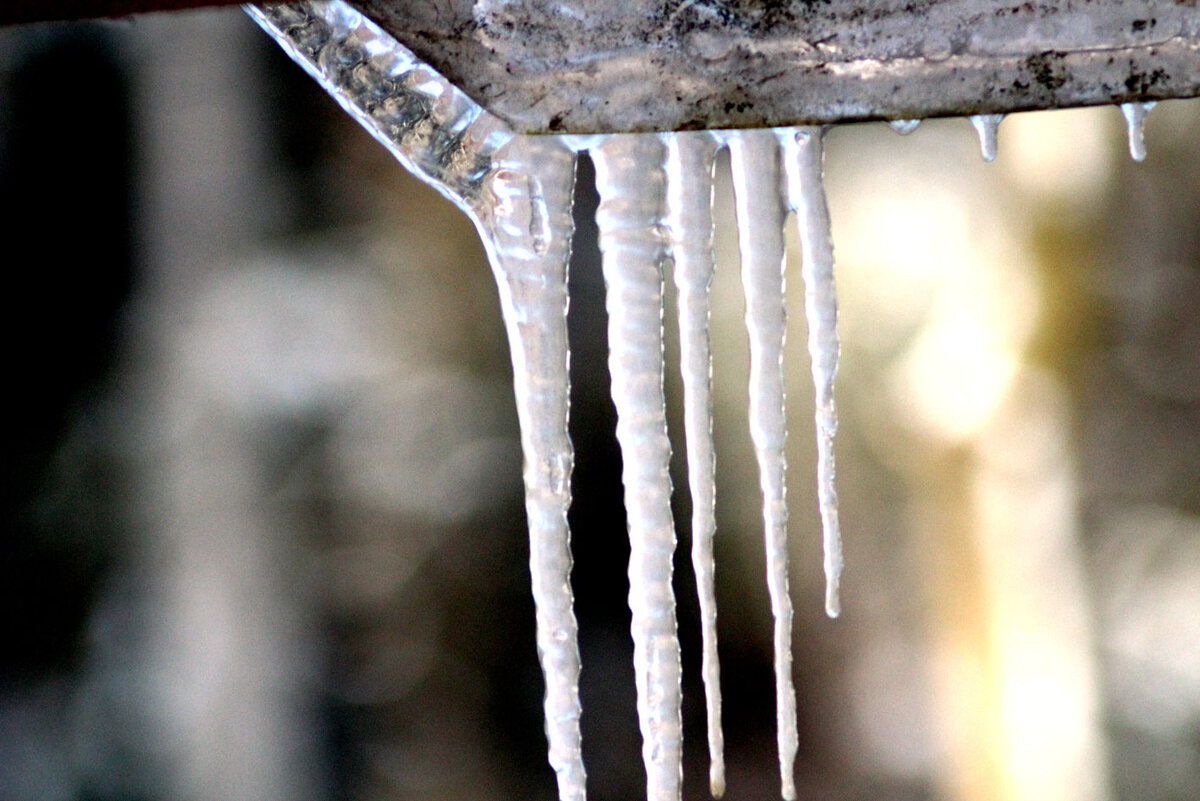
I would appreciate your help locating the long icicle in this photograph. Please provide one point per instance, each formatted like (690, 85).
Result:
(631, 183)
(691, 157)
(527, 229)
(806, 193)
(758, 186)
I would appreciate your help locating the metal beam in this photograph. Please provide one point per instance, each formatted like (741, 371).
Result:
(593, 66)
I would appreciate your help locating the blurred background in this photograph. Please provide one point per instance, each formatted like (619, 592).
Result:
(263, 530)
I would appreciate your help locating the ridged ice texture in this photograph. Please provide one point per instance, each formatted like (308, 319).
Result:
(691, 157)
(526, 227)
(1135, 122)
(517, 190)
(806, 195)
(432, 128)
(631, 181)
(988, 128)
(760, 199)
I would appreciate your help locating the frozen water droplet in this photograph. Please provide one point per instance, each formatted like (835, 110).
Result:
(1135, 123)
(631, 182)
(806, 191)
(690, 161)
(759, 195)
(904, 127)
(988, 128)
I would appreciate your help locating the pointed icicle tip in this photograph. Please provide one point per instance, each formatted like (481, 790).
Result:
(904, 127)
(1135, 123)
(988, 128)
(833, 597)
(716, 783)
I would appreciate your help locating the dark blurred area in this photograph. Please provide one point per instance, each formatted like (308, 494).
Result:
(263, 524)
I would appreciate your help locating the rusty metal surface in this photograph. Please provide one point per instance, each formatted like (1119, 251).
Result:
(585, 66)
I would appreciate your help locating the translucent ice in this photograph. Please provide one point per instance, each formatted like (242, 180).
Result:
(758, 185)
(1135, 122)
(690, 161)
(631, 181)
(988, 128)
(904, 127)
(806, 194)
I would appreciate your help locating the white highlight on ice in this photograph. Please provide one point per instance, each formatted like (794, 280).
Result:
(806, 195)
(760, 200)
(631, 181)
(904, 127)
(1135, 122)
(526, 227)
(691, 158)
(988, 128)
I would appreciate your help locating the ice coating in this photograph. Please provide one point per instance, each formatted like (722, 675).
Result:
(806, 195)
(690, 160)
(1135, 122)
(904, 127)
(760, 200)
(988, 128)
(631, 181)
(525, 223)
(656, 201)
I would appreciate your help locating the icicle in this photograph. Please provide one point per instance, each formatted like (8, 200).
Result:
(988, 128)
(806, 192)
(758, 187)
(690, 160)
(632, 187)
(1135, 122)
(525, 224)
(904, 127)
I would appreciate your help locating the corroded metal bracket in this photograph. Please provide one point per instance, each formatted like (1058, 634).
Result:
(588, 66)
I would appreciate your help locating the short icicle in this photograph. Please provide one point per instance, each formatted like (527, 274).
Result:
(524, 219)
(904, 127)
(988, 128)
(806, 191)
(1135, 123)
(758, 185)
(690, 160)
(631, 182)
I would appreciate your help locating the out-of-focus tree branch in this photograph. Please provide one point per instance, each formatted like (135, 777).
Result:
(18, 11)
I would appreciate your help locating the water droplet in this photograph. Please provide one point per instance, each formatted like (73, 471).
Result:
(904, 127)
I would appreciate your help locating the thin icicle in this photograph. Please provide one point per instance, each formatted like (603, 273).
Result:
(525, 224)
(806, 191)
(758, 186)
(631, 182)
(1135, 122)
(690, 160)
(988, 128)
(904, 127)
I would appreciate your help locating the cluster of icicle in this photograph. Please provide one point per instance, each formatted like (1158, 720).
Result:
(988, 128)
(655, 212)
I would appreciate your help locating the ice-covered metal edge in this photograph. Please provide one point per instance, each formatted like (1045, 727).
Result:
(660, 65)
(435, 130)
